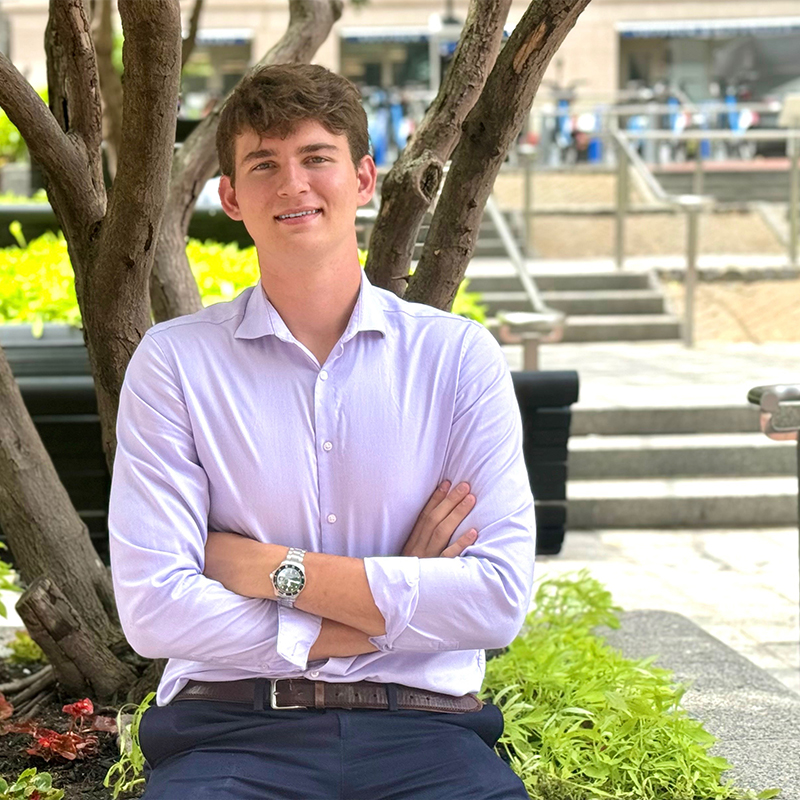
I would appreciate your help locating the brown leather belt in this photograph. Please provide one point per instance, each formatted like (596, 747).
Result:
(291, 693)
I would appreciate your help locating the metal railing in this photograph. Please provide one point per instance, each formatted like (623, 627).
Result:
(691, 204)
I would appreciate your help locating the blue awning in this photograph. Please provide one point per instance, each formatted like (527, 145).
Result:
(709, 28)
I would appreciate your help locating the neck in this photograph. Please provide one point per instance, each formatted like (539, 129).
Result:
(315, 301)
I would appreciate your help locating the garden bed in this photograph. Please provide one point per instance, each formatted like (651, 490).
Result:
(81, 779)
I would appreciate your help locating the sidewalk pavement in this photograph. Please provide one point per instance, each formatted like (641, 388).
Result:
(742, 586)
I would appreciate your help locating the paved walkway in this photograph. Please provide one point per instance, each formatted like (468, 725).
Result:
(740, 585)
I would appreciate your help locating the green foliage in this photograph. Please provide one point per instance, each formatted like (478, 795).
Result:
(128, 772)
(37, 282)
(9, 198)
(25, 651)
(583, 722)
(7, 578)
(29, 784)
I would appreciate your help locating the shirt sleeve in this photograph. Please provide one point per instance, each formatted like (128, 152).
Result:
(478, 600)
(158, 526)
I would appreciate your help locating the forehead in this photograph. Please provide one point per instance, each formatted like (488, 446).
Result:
(305, 133)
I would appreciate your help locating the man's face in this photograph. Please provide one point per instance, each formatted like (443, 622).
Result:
(297, 194)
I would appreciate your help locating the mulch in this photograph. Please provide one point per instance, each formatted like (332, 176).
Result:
(81, 779)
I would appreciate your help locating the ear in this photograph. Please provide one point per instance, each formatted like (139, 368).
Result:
(227, 196)
(367, 174)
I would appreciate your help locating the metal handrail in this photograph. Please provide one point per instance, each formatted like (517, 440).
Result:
(692, 204)
(514, 254)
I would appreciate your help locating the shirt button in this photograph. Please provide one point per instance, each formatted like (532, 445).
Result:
(327, 446)
(331, 518)
(323, 375)
(313, 674)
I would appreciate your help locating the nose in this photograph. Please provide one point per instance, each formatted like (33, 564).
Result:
(292, 180)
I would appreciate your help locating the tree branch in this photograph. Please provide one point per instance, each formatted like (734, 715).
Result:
(151, 58)
(489, 130)
(187, 46)
(48, 144)
(413, 181)
(110, 84)
(72, 70)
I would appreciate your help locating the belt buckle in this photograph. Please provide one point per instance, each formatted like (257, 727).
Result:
(273, 696)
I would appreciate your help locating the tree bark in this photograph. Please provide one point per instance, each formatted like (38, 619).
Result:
(110, 85)
(69, 608)
(173, 288)
(45, 533)
(114, 304)
(412, 183)
(489, 130)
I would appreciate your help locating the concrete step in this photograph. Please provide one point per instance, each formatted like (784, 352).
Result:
(682, 503)
(631, 301)
(559, 282)
(714, 454)
(621, 327)
(621, 421)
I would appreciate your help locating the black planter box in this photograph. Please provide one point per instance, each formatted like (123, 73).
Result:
(54, 377)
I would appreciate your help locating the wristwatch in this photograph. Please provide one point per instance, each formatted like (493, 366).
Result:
(289, 579)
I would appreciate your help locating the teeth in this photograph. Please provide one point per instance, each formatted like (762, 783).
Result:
(299, 214)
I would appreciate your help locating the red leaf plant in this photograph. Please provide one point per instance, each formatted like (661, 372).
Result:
(49, 744)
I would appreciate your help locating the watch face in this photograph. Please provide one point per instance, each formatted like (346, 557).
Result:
(289, 580)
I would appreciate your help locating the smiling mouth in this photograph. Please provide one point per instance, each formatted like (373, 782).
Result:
(310, 213)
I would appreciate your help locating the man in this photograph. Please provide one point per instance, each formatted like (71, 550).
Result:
(282, 523)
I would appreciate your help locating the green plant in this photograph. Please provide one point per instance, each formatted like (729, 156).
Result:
(583, 722)
(9, 198)
(37, 282)
(129, 769)
(30, 786)
(24, 650)
(7, 581)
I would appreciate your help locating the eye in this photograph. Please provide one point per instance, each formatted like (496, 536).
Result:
(264, 164)
(317, 159)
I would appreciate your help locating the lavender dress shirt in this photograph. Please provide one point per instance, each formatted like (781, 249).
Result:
(228, 423)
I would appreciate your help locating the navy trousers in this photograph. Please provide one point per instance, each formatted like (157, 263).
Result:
(211, 750)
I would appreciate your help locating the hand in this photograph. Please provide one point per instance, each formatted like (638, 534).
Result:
(442, 514)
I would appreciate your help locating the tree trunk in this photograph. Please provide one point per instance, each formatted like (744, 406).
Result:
(173, 289)
(489, 131)
(414, 179)
(69, 608)
(187, 46)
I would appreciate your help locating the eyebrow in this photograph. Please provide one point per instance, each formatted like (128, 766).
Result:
(315, 147)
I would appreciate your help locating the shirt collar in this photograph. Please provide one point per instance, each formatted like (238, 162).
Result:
(262, 319)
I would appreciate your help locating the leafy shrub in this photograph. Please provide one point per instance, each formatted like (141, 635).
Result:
(583, 722)
(30, 785)
(24, 650)
(130, 767)
(37, 282)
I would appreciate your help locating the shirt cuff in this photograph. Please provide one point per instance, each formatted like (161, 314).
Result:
(297, 632)
(394, 583)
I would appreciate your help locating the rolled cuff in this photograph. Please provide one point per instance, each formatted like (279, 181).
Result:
(297, 632)
(394, 583)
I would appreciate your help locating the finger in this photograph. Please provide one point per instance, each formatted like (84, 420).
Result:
(436, 498)
(446, 504)
(445, 529)
(461, 544)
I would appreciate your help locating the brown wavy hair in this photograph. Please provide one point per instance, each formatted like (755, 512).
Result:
(272, 100)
